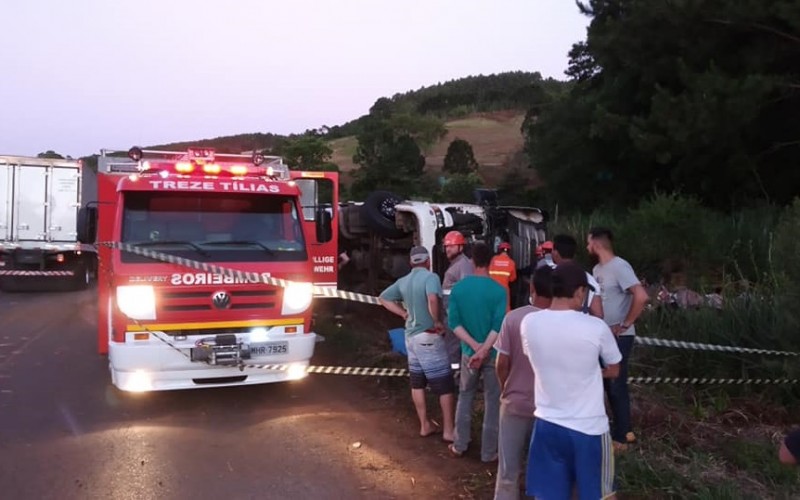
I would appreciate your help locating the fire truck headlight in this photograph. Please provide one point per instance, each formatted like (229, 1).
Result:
(296, 298)
(139, 381)
(137, 301)
(296, 372)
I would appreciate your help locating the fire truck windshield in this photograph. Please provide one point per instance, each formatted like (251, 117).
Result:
(213, 227)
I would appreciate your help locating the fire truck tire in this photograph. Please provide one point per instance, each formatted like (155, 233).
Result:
(378, 213)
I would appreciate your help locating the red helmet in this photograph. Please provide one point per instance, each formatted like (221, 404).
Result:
(454, 238)
(546, 247)
(504, 246)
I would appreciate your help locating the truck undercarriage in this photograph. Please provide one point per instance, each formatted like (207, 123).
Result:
(376, 235)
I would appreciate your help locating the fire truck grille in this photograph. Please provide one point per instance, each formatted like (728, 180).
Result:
(204, 301)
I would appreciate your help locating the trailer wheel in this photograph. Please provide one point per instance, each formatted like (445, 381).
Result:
(378, 212)
(82, 277)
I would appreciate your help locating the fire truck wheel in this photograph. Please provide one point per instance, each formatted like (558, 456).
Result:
(378, 213)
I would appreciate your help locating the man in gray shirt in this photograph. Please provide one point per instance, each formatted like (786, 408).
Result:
(624, 299)
(460, 267)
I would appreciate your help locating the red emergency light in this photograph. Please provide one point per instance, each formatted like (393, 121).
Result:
(205, 161)
(189, 167)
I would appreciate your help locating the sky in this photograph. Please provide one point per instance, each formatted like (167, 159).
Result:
(77, 76)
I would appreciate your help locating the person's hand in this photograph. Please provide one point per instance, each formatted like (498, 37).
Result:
(618, 329)
(438, 327)
(477, 359)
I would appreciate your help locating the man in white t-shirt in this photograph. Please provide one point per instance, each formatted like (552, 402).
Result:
(571, 444)
(564, 248)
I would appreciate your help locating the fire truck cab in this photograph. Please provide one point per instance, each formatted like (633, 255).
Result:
(179, 325)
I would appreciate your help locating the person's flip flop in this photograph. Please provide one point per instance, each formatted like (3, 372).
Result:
(437, 429)
(455, 453)
(432, 433)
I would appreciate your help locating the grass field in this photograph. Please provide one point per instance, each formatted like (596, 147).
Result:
(495, 137)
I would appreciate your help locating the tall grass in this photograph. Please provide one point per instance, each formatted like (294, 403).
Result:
(749, 256)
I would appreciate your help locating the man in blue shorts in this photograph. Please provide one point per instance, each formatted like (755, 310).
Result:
(420, 291)
(571, 445)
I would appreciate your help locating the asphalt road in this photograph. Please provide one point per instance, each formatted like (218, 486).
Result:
(65, 432)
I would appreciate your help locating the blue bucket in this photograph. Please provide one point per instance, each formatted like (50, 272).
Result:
(398, 338)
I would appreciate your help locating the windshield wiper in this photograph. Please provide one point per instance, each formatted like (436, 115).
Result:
(172, 242)
(238, 243)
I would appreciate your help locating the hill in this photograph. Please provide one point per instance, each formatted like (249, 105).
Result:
(228, 144)
(495, 137)
(485, 110)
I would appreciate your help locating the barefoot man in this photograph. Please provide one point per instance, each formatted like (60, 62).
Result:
(420, 291)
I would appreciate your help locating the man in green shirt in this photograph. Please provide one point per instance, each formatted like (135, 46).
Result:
(475, 314)
(420, 291)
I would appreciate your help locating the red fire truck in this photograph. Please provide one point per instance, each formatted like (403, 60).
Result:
(181, 325)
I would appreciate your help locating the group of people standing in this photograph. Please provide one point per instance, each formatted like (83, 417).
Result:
(543, 367)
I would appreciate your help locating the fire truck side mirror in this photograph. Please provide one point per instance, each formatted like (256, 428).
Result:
(87, 225)
(324, 225)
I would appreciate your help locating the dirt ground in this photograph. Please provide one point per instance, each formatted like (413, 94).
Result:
(422, 463)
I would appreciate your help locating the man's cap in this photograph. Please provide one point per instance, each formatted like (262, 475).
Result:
(419, 255)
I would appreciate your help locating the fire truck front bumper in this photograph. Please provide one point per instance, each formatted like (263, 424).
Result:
(194, 363)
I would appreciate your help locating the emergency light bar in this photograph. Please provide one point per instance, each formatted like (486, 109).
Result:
(206, 154)
(194, 161)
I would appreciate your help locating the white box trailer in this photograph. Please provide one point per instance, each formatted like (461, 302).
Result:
(39, 201)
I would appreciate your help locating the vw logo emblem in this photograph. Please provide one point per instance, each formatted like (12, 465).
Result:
(221, 300)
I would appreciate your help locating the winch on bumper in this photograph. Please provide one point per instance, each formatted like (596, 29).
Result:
(149, 364)
(223, 350)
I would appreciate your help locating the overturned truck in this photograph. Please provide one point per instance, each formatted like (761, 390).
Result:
(377, 234)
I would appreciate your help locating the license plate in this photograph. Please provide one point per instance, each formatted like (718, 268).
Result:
(269, 348)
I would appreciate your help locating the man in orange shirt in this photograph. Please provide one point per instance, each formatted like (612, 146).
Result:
(503, 269)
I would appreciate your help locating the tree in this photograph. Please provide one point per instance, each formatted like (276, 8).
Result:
(388, 153)
(50, 154)
(387, 160)
(698, 97)
(460, 159)
(306, 152)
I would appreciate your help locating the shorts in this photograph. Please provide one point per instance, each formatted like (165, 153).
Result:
(560, 458)
(429, 363)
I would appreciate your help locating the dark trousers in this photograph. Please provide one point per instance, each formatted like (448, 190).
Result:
(618, 395)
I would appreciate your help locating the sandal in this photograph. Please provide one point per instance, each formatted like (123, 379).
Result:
(437, 429)
(456, 454)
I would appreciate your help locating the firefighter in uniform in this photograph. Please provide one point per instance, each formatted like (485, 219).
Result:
(460, 266)
(503, 269)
